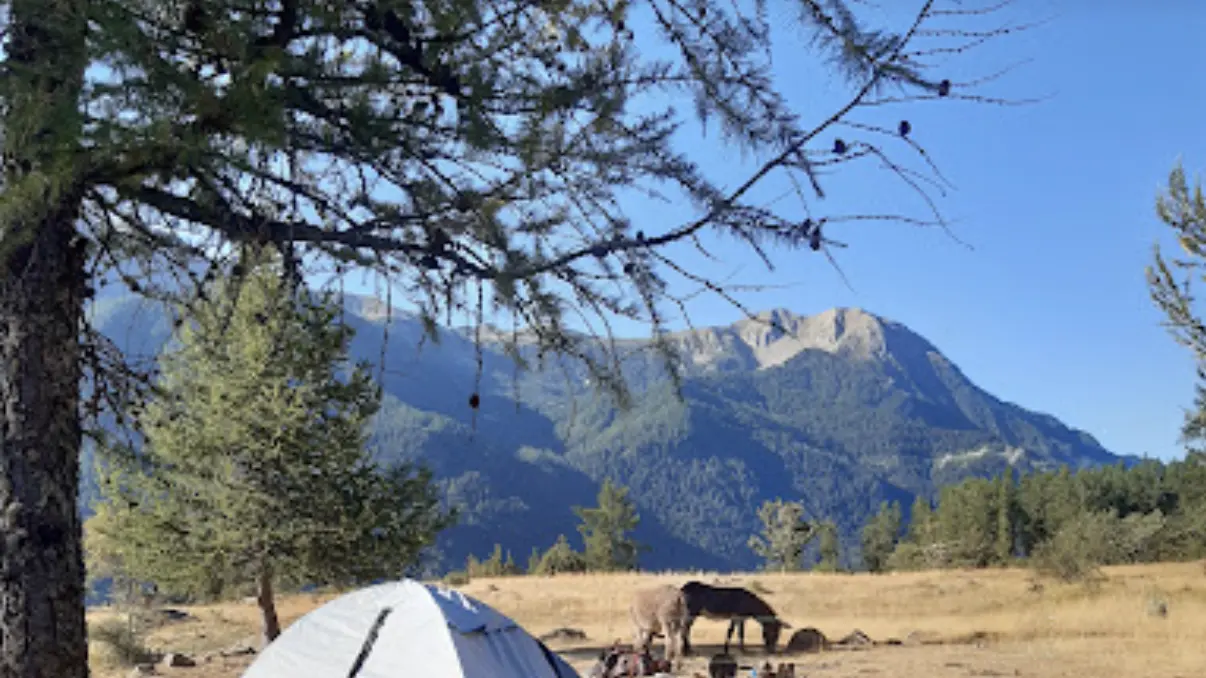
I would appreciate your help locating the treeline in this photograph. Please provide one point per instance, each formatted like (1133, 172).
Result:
(607, 544)
(1063, 523)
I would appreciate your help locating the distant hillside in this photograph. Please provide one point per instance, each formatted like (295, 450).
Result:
(841, 410)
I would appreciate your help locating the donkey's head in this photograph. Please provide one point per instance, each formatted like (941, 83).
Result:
(772, 627)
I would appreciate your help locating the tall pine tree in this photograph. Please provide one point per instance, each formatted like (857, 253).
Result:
(880, 535)
(829, 547)
(606, 530)
(1006, 506)
(255, 469)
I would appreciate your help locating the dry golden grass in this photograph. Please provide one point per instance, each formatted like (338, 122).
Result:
(978, 623)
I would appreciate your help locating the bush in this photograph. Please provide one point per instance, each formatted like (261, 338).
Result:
(1078, 550)
(456, 578)
(911, 557)
(494, 566)
(561, 557)
(122, 640)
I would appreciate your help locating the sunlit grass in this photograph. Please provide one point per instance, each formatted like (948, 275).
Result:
(974, 622)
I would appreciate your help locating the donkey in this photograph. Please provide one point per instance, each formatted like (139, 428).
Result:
(734, 604)
(657, 611)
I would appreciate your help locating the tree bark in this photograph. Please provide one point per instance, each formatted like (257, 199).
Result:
(270, 624)
(42, 629)
(42, 281)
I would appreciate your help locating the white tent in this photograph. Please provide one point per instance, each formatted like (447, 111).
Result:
(402, 629)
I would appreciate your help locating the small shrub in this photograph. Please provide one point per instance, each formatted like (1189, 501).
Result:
(122, 640)
(494, 566)
(456, 578)
(561, 557)
(1077, 551)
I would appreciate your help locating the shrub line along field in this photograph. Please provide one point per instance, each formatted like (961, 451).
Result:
(1143, 620)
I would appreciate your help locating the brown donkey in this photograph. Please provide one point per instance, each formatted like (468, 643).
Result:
(734, 604)
(657, 611)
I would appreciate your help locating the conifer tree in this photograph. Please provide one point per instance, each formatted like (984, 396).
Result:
(606, 530)
(1182, 207)
(561, 557)
(829, 547)
(474, 155)
(1006, 505)
(880, 535)
(921, 522)
(255, 468)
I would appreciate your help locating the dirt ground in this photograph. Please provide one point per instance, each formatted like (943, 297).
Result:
(971, 623)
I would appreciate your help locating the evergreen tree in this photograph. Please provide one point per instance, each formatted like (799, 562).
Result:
(495, 566)
(785, 533)
(605, 530)
(967, 522)
(880, 535)
(1006, 505)
(1170, 281)
(829, 547)
(921, 522)
(457, 149)
(254, 468)
(561, 557)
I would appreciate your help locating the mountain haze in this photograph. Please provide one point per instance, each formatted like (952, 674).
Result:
(841, 410)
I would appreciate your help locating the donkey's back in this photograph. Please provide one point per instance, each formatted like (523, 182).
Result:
(723, 602)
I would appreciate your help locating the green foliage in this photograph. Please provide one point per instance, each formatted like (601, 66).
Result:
(254, 462)
(1098, 538)
(1183, 209)
(605, 530)
(829, 547)
(124, 643)
(561, 557)
(785, 533)
(457, 578)
(494, 566)
(880, 535)
(1066, 524)
(1006, 507)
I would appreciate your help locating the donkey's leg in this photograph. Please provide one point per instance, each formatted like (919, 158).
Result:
(686, 644)
(674, 637)
(741, 633)
(729, 636)
(641, 636)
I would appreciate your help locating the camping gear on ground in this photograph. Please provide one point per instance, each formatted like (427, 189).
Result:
(406, 628)
(625, 661)
(722, 666)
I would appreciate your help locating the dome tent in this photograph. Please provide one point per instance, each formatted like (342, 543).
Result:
(406, 628)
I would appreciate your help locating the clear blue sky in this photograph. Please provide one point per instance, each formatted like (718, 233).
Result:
(1050, 310)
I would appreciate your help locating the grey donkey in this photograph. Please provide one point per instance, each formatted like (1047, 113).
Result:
(735, 605)
(661, 610)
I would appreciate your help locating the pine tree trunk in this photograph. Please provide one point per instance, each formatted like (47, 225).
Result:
(42, 628)
(42, 631)
(270, 624)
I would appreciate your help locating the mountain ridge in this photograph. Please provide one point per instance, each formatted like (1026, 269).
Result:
(841, 409)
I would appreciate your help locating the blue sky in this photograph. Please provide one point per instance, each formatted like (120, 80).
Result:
(1050, 309)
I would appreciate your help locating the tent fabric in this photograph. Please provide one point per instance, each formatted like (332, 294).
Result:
(406, 628)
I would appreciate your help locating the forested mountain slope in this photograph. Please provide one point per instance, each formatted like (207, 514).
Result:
(840, 410)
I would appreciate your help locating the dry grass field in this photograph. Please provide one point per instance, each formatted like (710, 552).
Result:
(972, 623)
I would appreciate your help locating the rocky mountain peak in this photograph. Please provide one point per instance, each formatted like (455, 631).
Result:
(777, 335)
